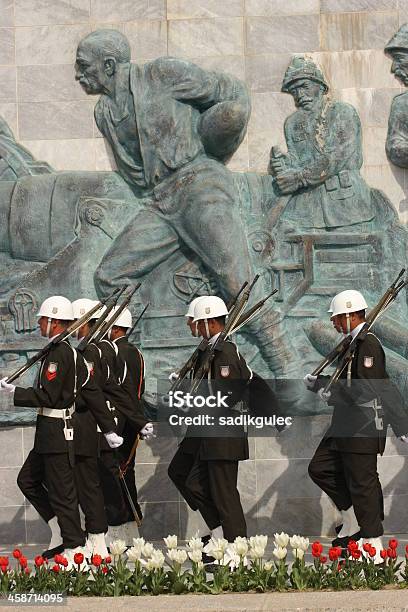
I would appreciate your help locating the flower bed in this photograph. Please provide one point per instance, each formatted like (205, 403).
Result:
(241, 566)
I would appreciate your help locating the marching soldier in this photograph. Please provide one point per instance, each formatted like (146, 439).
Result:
(87, 477)
(63, 375)
(132, 382)
(364, 401)
(205, 469)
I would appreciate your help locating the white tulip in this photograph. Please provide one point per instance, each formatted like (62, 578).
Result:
(117, 547)
(216, 544)
(139, 542)
(171, 541)
(280, 552)
(156, 561)
(256, 552)
(299, 542)
(217, 553)
(259, 540)
(196, 544)
(178, 556)
(240, 546)
(195, 555)
(134, 554)
(147, 549)
(298, 553)
(268, 566)
(281, 539)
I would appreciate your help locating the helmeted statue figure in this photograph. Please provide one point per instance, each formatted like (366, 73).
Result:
(172, 126)
(397, 138)
(322, 166)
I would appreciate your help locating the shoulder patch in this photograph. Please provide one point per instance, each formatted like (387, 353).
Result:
(51, 371)
(225, 371)
(368, 362)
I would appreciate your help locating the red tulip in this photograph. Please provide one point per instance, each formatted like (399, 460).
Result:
(323, 559)
(55, 568)
(23, 561)
(17, 553)
(4, 568)
(372, 552)
(58, 558)
(27, 570)
(366, 547)
(317, 549)
(4, 560)
(383, 554)
(334, 553)
(96, 560)
(352, 545)
(105, 569)
(78, 558)
(39, 561)
(108, 559)
(356, 554)
(391, 553)
(393, 543)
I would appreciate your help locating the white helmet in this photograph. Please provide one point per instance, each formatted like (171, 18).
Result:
(346, 302)
(190, 311)
(124, 319)
(84, 305)
(56, 307)
(210, 307)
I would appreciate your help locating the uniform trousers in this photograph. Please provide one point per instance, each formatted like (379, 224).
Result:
(48, 482)
(90, 494)
(350, 479)
(115, 504)
(210, 486)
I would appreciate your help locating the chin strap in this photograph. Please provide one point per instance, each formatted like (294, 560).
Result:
(48, 331)
(207, 331)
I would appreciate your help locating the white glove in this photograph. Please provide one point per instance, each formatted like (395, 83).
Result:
(404, 439)
(324, 396)
(309, 381)
(113, 439)
(173, 376)
(147, 432)
(5, 386)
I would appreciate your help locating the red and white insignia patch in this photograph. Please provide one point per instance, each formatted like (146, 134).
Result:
(51, 372)
(368, 362)
(91, 369)
(225, 371)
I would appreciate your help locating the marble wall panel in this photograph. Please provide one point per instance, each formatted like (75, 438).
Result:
(205, 37)
(193, 9)
(46, 12)
(294, 34)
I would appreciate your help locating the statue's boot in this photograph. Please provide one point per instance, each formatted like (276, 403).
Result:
(275, 346)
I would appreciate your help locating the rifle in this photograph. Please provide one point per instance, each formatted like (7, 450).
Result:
(103, 330)
(122, 472)
(249, 315)
(189, 365)
(233, 318)
(72, 328)
(346, 354)
(92, 333)
(132, 329)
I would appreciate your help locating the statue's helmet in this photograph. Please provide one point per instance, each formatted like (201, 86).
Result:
(302, 67)
(398, 41)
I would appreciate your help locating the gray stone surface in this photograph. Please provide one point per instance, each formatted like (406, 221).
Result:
(205, 37)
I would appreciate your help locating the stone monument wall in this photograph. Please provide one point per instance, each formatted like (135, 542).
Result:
(253, 39)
